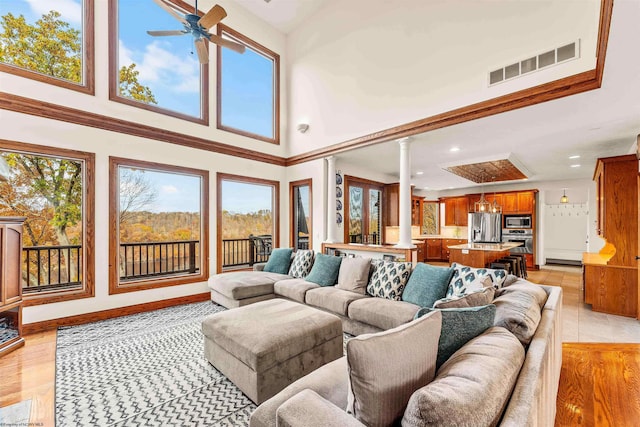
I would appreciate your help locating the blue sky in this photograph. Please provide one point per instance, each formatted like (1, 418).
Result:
(174, 192)
(239, 197)
(168, 66)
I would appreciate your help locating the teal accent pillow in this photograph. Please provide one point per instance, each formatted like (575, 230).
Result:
(325, 270)
(460, 325)
(279, 261)
(427, 284)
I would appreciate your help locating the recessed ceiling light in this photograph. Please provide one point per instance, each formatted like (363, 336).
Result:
(425, 188)
(419, 173)
(574, 156)
(575, 166)
(454, 149)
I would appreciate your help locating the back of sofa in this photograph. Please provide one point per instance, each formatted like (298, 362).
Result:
(533, 401)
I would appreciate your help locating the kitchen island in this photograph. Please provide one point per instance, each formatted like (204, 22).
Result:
(480, 255)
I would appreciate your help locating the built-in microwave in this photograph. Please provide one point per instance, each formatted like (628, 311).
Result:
(517, 221)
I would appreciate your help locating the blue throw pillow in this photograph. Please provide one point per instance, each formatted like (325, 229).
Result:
(325, 270)
(427, 284)
(279, 261)
(459, 326)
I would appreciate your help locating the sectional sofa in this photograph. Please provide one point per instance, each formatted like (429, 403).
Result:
(527, 321)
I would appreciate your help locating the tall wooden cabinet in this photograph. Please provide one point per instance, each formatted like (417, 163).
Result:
(456, 211)
(10, 283)
(611, 276)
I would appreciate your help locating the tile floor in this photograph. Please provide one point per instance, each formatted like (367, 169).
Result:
(580, 323)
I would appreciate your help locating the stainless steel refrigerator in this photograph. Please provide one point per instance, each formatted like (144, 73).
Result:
(485, 227)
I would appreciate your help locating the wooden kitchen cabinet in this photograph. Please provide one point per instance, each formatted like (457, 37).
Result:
(518, 202)
(445, 247)
(392, 206)
(416, 210)
(434, 249)
(11, 284)
(456, 210)
(611, 276)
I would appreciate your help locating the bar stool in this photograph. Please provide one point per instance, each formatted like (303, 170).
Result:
(501, 265)
(523, 264)
(514, 262)
(518, 260)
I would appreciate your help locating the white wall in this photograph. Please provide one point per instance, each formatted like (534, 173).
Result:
(238, 18)
(28, 129)
(365, 65)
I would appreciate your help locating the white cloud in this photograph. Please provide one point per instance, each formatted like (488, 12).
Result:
(169, 189)
(70, 10)
(158, 66)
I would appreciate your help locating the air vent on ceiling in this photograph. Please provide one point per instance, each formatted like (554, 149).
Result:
(561, 54)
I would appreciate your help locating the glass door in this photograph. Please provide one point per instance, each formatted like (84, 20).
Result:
(363, 212)
(300, 194)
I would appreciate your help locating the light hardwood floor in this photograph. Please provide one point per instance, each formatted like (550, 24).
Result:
(599, 383)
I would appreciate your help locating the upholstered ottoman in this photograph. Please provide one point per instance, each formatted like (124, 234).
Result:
(264, 347)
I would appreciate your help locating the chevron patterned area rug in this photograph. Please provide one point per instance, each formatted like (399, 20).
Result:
(146, 369)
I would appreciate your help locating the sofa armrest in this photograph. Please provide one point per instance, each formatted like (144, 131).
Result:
(309, 409)
(259, 266)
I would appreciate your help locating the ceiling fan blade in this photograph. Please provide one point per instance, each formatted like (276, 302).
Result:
(236, 47)
(211, 18)
(167, 33)
(203, 53)
(171, 11)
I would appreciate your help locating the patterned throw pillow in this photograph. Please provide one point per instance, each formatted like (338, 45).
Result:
(388, 279)
(466, 279)
(302, 263)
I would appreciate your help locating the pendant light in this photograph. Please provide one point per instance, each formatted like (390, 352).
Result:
(482, 205)
(564, 198)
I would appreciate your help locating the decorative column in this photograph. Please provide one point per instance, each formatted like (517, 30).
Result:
(404, 238)
(331, 200)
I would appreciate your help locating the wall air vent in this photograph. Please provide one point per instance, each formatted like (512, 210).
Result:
(558, 55)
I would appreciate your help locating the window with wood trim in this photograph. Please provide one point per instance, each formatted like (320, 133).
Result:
(160, 74)
(300, 210)
(47, 41)
(248, 220)
(158, 217)
(363, 203)
(248, 94)
(54, 189)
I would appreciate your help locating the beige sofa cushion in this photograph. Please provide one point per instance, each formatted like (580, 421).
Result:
(294, 289)
(534, 290)
(332, 299)
(381, 312)
(262, 335)
(473, 299)
(329, 381)
(519, 312)
(387, 367)
(473, 387)
(245, 284)
(354, 274)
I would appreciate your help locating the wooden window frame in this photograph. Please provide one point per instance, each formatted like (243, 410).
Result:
(220, 176)
(253, 45)
(292, 203)
(88, 59)
(114, 72)
(366, 185)
(115, 287)
(88, 220)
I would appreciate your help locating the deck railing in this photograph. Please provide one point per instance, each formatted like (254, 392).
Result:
(60, 267)
(157, 259)
(51, 267)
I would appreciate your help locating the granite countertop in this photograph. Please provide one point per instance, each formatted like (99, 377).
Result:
(487, 246)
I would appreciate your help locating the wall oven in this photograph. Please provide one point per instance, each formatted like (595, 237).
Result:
(517, 221)
(524, 236)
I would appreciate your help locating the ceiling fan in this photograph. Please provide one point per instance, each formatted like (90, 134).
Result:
(198, 27)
